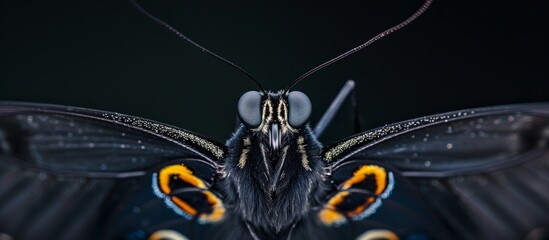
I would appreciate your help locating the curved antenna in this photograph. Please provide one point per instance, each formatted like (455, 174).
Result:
(410, 19)
(179, 34)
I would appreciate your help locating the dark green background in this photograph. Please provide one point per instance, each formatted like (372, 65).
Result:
(105, 55)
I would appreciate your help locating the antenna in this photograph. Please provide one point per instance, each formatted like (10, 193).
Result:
(179, 34)
(410, 19)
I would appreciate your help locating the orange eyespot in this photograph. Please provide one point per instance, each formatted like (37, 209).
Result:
(358, 204)
(184, 206)
(360, 209)
(181, 172)
(185, 203)
(331, 217)
(337, 199)
(360, 175)
(218, 211)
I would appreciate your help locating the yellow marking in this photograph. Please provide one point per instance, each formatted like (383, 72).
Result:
(380, 176)
(181, 172)
(216, 215)
(247, 142)
(218, 211)
(167, 234)
(378, 234)
(362, 207)
(342, 148)
(282, 108)
(184, 205)
(266, 118)
(282, 116)
(331, 217)
(243, 157)
(283, 119)
(301, 149)
(177, 134)
(245, 150)
(336, 200)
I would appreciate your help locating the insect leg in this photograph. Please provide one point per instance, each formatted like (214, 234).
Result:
(335, 106)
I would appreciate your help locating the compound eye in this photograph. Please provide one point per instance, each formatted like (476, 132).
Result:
(249, 108)
(299, 109)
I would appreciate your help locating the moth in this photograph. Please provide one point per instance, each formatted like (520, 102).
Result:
(72, 173)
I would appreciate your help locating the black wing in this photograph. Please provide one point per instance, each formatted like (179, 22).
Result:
(70, 172)
(484, 171)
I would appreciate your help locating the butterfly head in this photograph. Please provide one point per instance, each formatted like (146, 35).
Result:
(274, 111)
(276, 135)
